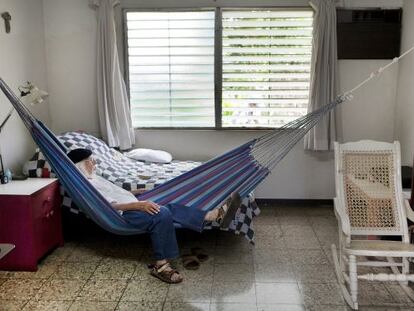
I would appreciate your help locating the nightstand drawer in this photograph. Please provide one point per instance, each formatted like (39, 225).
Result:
(46, 218)
(44, 201)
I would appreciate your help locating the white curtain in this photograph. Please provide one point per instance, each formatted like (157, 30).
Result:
(324, 81)
(113, 106)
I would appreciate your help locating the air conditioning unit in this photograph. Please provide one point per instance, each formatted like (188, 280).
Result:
(368, 33)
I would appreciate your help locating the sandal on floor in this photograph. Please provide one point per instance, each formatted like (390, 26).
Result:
(190, 262)
(199, 253)
(165, 273)
(233, 203)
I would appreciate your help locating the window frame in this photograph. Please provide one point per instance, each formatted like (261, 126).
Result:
(218, 58)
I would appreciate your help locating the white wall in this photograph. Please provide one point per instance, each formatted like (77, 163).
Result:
(70, 32)
(404, 121)
(70, 40)
(22, 58)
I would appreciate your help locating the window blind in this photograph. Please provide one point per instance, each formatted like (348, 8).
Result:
(266, 66)
(171, 68)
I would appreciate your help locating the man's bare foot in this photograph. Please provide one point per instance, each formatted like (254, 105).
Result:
(212, 215)
(226, 212)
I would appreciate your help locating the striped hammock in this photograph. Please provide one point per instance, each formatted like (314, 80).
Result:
(205, 187)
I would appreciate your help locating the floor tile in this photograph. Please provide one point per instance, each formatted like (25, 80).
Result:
(268, 216)
(93, 306)
(202, 274)
(139, 306)
(321, 210)
(20, 289)
(174, 306)
(328, 308)
(270, 243)
(300, 237)
(308, 257)
(188, 291)
(278, 293)
(102, 290)
(321, 293)
(323, 221)
(301, 231)
(233, 273)
(328, 252)
(85, 254)
(229, 256)
(327, 236)
(309, 242)
(124, 251)
(235, 242)
(374, 294)
(233, 307)
(60, 254)
(266, 255)
(237, 292)
(399, 294)
(142, 272)
(75, 270)
(294, 220)
(145, 290)
(47, 305)
(44, 271)
(269, 231)
(389, 308)
(315, 273)
(60, 289)
(111, 268)
(12, 305)
(274, 272)
(291, 210)
(279, 307)
(269, 237)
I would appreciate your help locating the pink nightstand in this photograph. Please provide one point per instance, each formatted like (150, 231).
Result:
(30, 218)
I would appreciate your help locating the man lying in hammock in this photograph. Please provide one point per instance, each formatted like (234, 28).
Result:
(157, 220)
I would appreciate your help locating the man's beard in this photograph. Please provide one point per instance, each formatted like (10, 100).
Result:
(82, 167)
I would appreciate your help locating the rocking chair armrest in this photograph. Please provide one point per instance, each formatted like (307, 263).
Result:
(342, 217)
(408, 210)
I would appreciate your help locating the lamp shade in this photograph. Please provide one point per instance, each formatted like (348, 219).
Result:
(32, 94)
(36, 95)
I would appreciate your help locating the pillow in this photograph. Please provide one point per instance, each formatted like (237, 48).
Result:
(149, 155)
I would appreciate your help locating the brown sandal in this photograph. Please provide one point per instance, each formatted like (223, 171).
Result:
(199, 253)
(190, 262)
(165, 273)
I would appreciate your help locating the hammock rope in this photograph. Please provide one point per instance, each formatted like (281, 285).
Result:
(205, 187)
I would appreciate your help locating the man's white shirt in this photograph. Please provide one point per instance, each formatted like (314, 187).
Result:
(111, 192)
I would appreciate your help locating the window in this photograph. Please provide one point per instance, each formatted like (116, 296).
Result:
(218, 69)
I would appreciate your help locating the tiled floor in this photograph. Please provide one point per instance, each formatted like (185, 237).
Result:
(290, 268)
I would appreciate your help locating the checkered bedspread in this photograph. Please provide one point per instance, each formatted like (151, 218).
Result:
(131, 175)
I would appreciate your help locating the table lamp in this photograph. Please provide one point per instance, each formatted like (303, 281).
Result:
(34, 96)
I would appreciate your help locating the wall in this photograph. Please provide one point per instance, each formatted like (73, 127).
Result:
(70, 32)
(22, 58)
(404, 119)
(70, 41)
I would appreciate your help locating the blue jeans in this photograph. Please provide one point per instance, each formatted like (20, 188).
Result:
(161, 226)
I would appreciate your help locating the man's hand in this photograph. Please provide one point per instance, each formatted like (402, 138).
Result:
(149, 207)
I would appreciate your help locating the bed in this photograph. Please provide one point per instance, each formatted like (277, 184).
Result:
(131, 175)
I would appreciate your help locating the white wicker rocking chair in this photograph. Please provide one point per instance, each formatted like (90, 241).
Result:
(368, 203)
